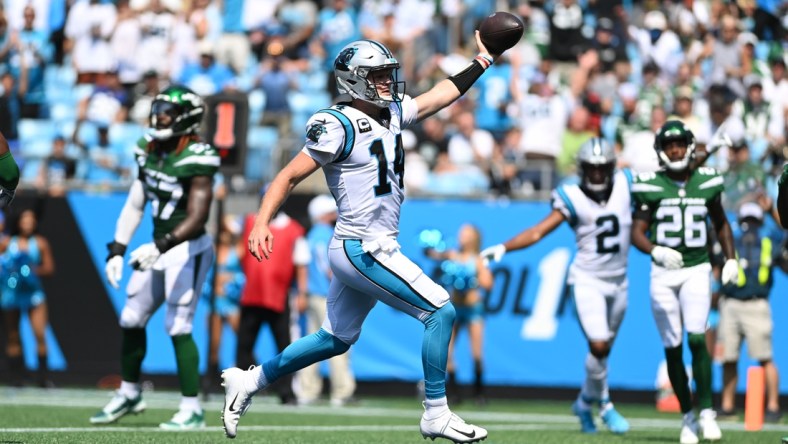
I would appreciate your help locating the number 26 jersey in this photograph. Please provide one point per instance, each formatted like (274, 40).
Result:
(679, 211)
(364, 165)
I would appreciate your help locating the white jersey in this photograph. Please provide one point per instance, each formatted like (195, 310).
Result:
(601, 231)
(364, 164)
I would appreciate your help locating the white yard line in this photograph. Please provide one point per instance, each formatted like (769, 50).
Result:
(69, 398)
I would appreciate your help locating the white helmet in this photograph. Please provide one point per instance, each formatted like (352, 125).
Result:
(598, 154)
(356, 61)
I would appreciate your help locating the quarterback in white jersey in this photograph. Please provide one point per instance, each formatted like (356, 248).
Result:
(598, 210)
(359, 147)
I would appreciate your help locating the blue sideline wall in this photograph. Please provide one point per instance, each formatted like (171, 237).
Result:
(532, 337)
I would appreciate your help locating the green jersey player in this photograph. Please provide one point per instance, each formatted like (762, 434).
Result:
(176, 176)
(672, 206)
(9, 174)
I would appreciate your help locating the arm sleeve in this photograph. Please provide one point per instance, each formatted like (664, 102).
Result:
(560, 201)
(301, 254)
(410, 111)
(131, 214)
(327, 137)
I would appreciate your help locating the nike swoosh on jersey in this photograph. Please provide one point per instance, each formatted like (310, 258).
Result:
(469, 435)
(232, 404)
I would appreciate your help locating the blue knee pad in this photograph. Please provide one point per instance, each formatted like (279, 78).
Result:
(435, 350)
(304, 352)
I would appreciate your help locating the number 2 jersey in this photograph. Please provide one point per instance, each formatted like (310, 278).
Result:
(166, 178)
(601, 231)
(679, 211)
(364, 164)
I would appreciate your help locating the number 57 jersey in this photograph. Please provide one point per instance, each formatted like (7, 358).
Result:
(601, 228)
(364, 164)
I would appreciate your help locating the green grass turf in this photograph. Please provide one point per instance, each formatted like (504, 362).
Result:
(61, 416)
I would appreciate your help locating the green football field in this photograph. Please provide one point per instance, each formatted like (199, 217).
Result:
(61, 416)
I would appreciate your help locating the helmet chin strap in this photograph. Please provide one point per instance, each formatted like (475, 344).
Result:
(678, 165)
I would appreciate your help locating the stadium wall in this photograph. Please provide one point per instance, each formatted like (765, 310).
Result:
(532, 338)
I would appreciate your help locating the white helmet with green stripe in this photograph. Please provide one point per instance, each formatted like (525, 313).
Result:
(354, 64)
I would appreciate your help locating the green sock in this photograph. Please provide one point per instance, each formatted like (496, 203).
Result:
(9, 171)
(132, 353)
(701, 369)
(678, 377)
(188, 363)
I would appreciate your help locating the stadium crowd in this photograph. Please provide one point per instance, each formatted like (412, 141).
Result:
(78, 79)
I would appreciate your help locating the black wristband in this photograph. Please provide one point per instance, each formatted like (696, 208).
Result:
(165, 242)
(464, 79)
(115, 249)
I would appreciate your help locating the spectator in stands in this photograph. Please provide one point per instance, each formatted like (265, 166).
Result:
(299, 18)
(566, 35)
(470, 145)
(143, 96)
(336, 27)
(157, 24)
(57, 170)
(323, 214)
(744, 179)
(26, 258)
(729, 61)
(577, 133)
(107, 103)
(503, 165)
(207, 76)
(233, 48)
(744, 307)
(542, 117)
(764, 123)
(611, 49)
(123, 43)
(107, 164)
(32, 53)
(657, 43)
(638, 151)
(7, 39)
(432, 139)
(224, 289)
(89, 25)
(266, 295)
(10, 105)
(720, 101)
(276, 83)
(683, 102)
(493, 97)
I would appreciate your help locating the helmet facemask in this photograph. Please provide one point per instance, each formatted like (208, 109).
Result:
(674, 131)
(357, 68)
(175, 112)
(596, 164)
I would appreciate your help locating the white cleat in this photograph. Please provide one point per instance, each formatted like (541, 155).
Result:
(708, 425)
(451, 427)
(236, 399)
(689, 429)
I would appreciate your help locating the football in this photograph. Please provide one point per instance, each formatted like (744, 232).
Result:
(500, 31)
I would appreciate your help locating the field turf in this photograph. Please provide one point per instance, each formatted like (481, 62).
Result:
(61, 416)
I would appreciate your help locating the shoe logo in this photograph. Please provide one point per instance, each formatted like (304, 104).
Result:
(232, 404)
(469, 435)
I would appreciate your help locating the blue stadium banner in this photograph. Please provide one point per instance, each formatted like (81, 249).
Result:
(531, 337)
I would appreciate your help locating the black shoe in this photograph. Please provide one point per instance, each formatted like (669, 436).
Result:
(773, 416)
(727, 415)
(288, 399)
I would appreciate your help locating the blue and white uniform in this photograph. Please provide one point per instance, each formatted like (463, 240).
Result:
(598, 272)
(363, 162)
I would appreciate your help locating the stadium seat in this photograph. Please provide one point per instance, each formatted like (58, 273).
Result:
(256, 105)
(263, 143)
(261, 137)
(35, 137)
(303, 105)
(125, 134)
(30, 169)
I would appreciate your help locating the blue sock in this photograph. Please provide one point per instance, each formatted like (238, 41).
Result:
(304, 352)
(435, 350)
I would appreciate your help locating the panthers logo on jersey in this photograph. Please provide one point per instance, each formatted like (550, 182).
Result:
(679, 212)
(316, 130)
